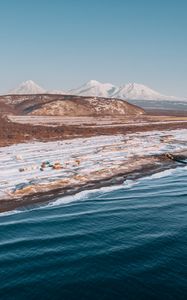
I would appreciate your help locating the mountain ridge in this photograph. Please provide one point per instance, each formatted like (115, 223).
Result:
(94, 88)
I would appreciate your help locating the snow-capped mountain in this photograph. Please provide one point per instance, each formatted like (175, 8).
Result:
(130, 91)
(96, 89)
(136, 91)
(28, 87)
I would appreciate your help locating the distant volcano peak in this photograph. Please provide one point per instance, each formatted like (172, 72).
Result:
(28, 87)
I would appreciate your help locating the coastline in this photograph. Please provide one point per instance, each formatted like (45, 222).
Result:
(150, 166)
(108, 155)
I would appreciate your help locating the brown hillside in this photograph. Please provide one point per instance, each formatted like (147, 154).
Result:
(67, 105)
(83, 106)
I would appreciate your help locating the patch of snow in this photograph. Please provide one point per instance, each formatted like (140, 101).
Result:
(93, 154)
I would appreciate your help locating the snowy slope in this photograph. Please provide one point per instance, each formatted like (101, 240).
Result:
(95, 88)
(135, 91)
(130, 91)
(28, 87)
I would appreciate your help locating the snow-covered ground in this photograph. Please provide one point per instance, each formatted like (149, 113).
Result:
(79, 157)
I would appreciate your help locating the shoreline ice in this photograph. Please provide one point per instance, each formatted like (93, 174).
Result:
(82, 160)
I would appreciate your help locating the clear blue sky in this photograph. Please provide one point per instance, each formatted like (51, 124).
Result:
(60, 44)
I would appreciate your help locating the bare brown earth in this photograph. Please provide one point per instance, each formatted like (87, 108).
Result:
(67, 105)
(11, 133)
(34, 117)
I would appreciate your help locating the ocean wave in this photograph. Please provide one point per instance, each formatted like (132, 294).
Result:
(165, 173)
(11, 212)
(162, 174)
(98, 193)
(84, 195)
(81, 196)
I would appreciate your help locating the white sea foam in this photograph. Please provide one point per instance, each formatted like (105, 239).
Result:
(84, 195)
(162, 174)
(165, 173)
(81, 196)
(11, 212)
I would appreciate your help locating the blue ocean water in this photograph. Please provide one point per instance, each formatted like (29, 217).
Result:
(128, 243)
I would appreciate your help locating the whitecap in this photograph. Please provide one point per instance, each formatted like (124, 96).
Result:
(84, 195)
(11, 212)
(162, 174)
